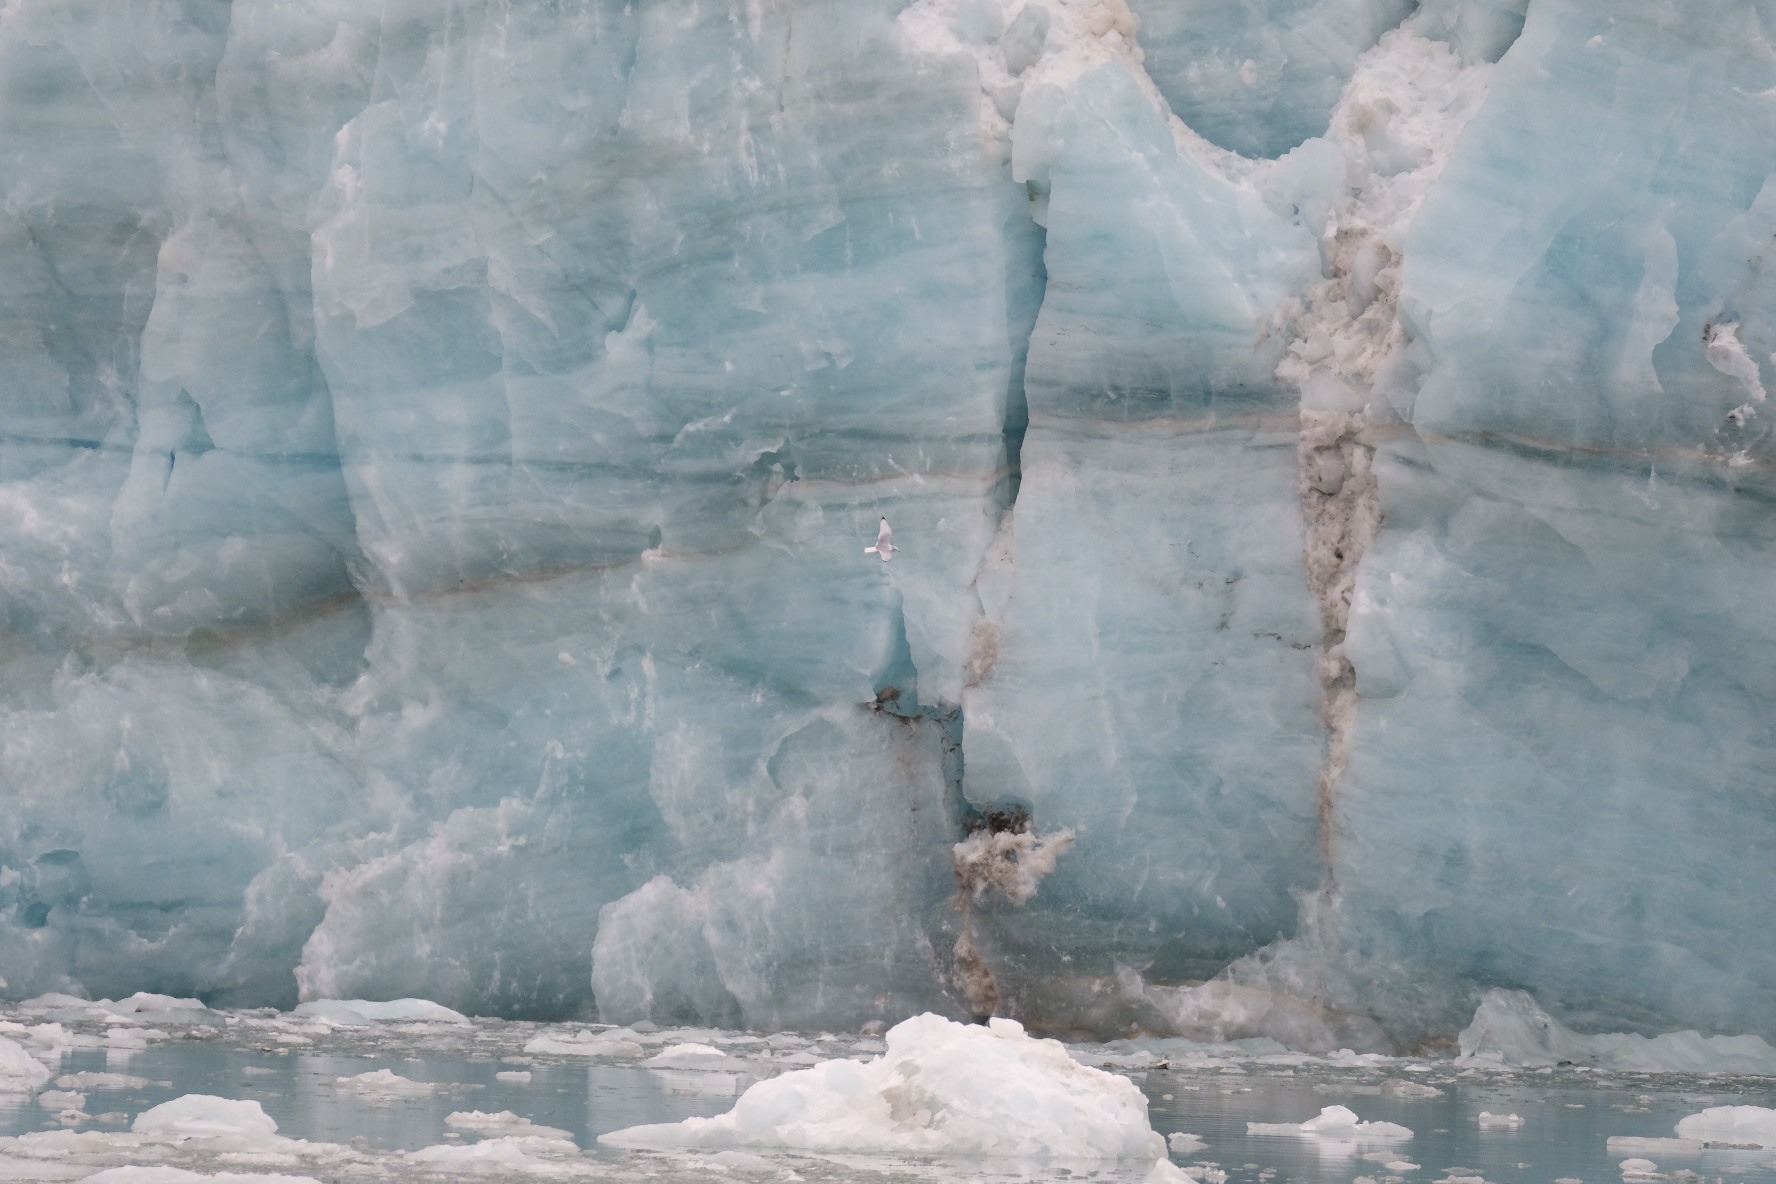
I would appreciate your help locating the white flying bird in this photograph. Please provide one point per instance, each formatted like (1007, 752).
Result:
(884, 543)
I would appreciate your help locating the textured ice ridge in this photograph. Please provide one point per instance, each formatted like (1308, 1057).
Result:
(437, 447)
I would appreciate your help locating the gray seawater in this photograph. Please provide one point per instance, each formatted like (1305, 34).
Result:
(1568, 1117)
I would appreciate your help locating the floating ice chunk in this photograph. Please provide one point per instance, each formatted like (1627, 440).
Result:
(1509, 1028)
(1744, 1125)
(143, 1001)
(203, 1116)
(164, 1175)
(61, 1099)
(622, 1044)
(1400, 1165)
(692, 1056)
(1164, 1171)
(513, 1076)
(1335, 1123)
(1639, 1169)
(19, 1070)
(383, 1083)
(1184, 1143)
(134, 1039)
(393, 1009)
(503, 1122)
(514, 1153)
(1498, 1120)
(1396, 1087)
(90, 1080)
(1635, 1145)
(941, 1088)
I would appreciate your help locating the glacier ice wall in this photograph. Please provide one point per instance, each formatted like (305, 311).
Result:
(1328, 440)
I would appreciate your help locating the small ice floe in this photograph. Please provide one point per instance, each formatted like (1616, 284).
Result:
(1184, 1144)
(383, 1083)
(622, 1044)
(497, 1156)
(158, 1174)
(692, 1056)
(513, 1076)
(502, 1123)
(203, 1116)
(884, 543)
(1336, 1123)
(19, 1070)
(1635, 1145)
(91, 1080)
(1400, 1165)
(1637, 1171)
(61, 1099)
(1491, 1121)
(1741, 1126)
(357, 1012)
(942, 1088)
(1398, 1087)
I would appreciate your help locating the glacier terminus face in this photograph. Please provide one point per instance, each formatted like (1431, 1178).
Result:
(1327, 446)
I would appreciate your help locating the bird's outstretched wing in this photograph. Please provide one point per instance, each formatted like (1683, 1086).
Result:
(884, 543)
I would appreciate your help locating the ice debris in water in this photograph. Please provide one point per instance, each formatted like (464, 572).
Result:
(942, 1088)
(19, 1070)
(204, 1116)
(160, 1174)
(1741, 1125)
(502, 1123)
(1184, 1143)
(1486, 1119)
(1337, 1123)
(359, 1011)
(1509, 1028)
(382, 1083)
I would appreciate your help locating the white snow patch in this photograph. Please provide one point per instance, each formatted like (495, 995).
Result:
(941, 1088)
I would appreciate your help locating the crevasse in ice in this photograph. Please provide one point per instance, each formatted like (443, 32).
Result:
(1328, 443)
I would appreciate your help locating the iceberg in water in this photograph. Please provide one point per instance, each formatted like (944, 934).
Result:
(1336, 1124)
(358, 1011)
(942, 1088)
(1744, 1126)
(1509, 1028)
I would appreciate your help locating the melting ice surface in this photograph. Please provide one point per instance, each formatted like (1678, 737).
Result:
(295, 1095)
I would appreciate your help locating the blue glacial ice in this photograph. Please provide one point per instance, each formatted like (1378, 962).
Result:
(1328, 443)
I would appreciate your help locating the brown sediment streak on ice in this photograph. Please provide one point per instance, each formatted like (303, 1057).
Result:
(1395, 126)
(1011, 863)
